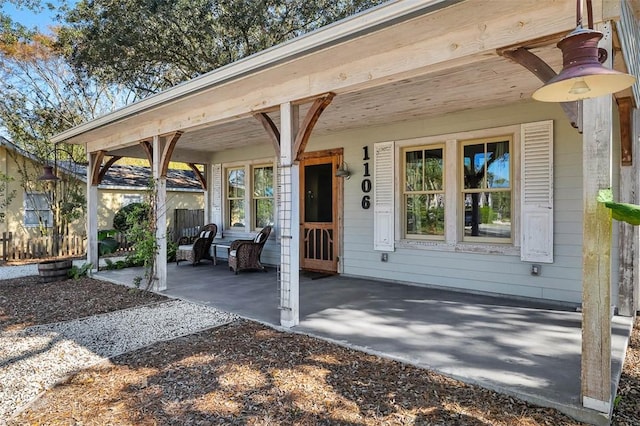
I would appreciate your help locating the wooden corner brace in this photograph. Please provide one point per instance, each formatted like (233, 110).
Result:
(544, 72)
(304, 132)
(199, 175)
(98, 171)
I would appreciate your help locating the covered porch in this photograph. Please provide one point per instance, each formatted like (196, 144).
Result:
(525, 348)
(402, 80)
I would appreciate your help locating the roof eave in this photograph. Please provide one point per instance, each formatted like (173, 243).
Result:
(349, 28)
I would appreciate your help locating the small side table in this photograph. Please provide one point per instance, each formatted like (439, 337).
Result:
(215, 250)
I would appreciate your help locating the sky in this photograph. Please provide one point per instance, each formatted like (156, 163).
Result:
(28, 18)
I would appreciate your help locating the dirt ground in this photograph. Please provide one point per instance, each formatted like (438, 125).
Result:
(248, 374)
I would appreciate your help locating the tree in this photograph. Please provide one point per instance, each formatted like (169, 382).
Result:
(6, 196)
(150, 45)
(42, 96)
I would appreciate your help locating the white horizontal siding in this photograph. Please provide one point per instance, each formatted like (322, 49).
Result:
(501, 274)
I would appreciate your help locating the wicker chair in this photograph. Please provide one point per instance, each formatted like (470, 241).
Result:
(245, 254)
(199, 250)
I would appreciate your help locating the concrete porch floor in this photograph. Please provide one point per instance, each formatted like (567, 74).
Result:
(527, 349)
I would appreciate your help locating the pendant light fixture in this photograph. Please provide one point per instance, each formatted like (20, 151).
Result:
(583, 76)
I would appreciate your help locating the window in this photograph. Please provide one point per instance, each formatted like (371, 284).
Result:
(424, 192)
(262, 196)
(36, 210)
(466, 198)
(235, 198)
(494, 188)
(486, 168)
(131, 198)
(249, 197)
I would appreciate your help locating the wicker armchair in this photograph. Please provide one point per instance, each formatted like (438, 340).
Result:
(245, 254)
(199, 250)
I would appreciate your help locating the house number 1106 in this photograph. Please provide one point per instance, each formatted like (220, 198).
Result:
(366, 182)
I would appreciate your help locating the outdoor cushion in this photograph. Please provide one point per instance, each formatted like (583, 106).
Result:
(200, 248)
(245, 254)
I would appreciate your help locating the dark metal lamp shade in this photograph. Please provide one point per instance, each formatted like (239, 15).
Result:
(48, 175)
(582, 75)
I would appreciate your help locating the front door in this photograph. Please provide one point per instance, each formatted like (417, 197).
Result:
(319, 237)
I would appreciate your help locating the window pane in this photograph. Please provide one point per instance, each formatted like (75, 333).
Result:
(31, 218)
(236, 213)
(498, 170)
(36, 202)
(235, 182)
(264, 212)
(425, 214)
(413, 170)
(130, 199)
(433, 170)
(263, 182)
(474, 159)
(488, 214)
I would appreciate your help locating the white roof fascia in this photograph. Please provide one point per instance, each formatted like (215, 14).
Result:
(384, 15)
(26, 154)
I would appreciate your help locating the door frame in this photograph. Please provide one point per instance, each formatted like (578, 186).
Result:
(336, 155)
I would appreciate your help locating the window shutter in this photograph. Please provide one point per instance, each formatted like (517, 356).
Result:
(383, 196)
(536, 241)
(216, 196)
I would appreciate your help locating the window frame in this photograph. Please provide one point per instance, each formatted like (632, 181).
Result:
(248, 198)
(462, 190)
(405, 192)
(454, 231)
(227, 198)
(130, 198)
(29, 207)
(253, 198)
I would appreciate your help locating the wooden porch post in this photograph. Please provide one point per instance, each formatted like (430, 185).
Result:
(635, 135)
(289, 218)
(160, 182)
(628, 277)
(596, 248)
(92, 212)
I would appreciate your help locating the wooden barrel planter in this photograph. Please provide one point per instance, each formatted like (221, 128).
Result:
(54, 270)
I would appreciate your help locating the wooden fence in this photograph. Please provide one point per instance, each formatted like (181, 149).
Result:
(14, 248)
(187, 223)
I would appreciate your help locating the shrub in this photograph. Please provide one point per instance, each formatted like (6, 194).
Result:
(107, 245)
(106, 233)
(82, 271)
(140, 212)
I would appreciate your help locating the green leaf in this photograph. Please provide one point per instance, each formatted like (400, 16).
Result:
(623, 212)
(605, 195)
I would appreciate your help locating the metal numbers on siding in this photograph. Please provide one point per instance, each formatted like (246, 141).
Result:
(366, 182)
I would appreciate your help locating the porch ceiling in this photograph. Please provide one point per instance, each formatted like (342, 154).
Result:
(490, 82)
(400, 62)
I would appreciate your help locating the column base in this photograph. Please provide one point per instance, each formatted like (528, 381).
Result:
(596, 404)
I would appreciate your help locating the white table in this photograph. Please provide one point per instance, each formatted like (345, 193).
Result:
(224, 245)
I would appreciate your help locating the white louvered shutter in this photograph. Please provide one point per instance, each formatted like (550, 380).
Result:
(216, 195)
(383, 196)
(537, 192)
